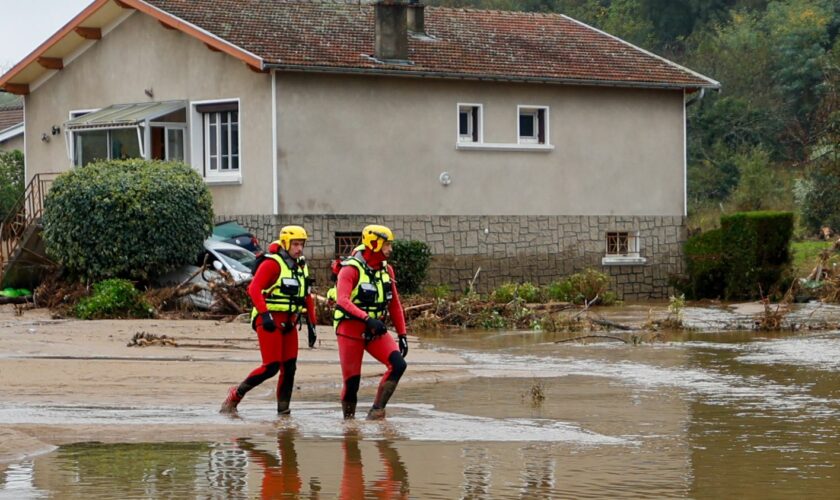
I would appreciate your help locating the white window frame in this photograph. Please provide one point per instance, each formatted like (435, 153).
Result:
(633, 255)
(468, 139)
(534, 110)
(199, 150)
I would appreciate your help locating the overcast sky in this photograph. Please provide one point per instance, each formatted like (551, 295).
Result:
(25, 24)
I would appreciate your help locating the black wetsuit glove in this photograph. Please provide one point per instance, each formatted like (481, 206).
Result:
(374, 328)
(312, 336)
(268, 322)
(403, 342)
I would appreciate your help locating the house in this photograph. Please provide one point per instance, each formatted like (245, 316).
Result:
(11, 126)
(529, 145)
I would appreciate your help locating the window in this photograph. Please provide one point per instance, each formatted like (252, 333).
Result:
(622, 248)
(152, 130)
(532, 127)
(469, 123)
(115, 144)
(345, 242)
(221, 139)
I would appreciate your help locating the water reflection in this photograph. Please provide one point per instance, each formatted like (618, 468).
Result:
(393, 481)
(280, 469)
(477, 473)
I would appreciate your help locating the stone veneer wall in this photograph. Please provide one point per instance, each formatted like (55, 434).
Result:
(539, 249)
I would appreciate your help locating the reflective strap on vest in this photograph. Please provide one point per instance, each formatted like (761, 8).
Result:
(378, 282)
(288, 293)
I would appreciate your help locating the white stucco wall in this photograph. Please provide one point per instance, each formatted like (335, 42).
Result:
(12, 144)
(371, 145)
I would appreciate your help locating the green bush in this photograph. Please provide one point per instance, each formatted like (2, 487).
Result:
(560, 291)
(410, 259)
(756, 249)
(583, 286)
(588, 284)
(527, 292)
(818, 195)
(530, 293)
(504, 293)
(705, 266)
(114, 298)
(131, 218)
(11, 181)
(438, 291)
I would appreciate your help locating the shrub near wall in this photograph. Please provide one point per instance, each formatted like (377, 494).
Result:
(131, 218)
(705, 266)
(410, 260)
(756, 251)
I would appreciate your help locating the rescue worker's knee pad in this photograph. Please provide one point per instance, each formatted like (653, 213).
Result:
(289, 367)
(398, 365)
(351, 387)
(271, 369)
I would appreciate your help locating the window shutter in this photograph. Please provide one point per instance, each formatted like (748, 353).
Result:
(475, 123)
(541, 125)
(217, 107)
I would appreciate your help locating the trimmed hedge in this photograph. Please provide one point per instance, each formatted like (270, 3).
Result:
(756, 246)
(130, 218)
(705, 266)
(410, 259)
(748, 255)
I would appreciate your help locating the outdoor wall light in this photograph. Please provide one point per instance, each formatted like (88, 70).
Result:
(45, 137)
(445, 179)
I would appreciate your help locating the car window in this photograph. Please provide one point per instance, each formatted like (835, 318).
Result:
(241, 260)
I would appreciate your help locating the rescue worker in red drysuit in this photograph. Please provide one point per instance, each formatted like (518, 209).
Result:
(366, 293)
(281, 473)
(280, 290)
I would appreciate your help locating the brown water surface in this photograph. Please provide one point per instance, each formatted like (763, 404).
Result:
(703, 415)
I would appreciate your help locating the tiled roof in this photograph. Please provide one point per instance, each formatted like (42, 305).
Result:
(305, 34)
(10, 116)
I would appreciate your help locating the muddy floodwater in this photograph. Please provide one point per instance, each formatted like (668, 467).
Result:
(702, 415)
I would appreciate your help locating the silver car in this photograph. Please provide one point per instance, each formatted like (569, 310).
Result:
(220, 257)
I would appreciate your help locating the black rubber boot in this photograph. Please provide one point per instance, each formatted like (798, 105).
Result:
(349, 409)
(284, 390)
(387, 388)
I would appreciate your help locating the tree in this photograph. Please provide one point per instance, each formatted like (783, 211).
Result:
(11, 181)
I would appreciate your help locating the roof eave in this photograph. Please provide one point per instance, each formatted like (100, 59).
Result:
(214, 41)
(11, 132)
(302, 68)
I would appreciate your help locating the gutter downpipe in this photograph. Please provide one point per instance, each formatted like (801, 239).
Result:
(275, 197)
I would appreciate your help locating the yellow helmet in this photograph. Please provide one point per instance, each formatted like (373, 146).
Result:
(374, 236)
(289, 233)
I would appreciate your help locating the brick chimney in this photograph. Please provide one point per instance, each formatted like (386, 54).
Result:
(391, 31)
(416, 17)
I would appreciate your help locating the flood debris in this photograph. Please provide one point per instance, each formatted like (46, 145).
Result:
(145, 339)
(535, 394)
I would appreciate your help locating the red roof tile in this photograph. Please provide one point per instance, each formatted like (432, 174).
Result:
(10, 116)
(467, 43)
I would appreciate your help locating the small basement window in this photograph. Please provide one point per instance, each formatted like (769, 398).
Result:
(532, 127)
(345, 242)
(622, 248)
(469, 123)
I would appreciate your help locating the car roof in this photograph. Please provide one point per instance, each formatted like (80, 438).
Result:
(230, 229)
(213, 244)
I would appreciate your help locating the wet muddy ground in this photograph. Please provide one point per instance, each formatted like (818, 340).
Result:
(701, 414)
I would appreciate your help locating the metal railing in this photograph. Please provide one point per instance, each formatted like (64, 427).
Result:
(26, 212)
